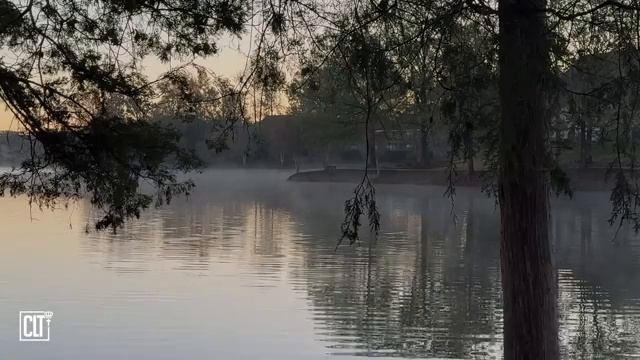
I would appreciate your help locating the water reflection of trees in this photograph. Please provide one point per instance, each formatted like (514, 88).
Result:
(425, 286)
(432, 289)
(598, 281)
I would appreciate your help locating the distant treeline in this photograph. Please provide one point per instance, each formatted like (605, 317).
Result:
(303, 140)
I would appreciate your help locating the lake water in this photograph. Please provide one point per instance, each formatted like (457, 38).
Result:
(246, 268)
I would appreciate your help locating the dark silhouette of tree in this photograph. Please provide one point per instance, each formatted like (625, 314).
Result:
(528, 281)
(536, 41)
(470, 104)
(74, 85)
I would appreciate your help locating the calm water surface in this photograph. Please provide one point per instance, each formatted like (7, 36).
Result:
(246, 268)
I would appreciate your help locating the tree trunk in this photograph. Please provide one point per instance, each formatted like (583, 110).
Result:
(528, 282)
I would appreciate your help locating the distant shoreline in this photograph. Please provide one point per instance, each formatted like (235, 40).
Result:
(580, 179)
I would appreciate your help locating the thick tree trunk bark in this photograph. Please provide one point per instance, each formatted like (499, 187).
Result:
(528, 281)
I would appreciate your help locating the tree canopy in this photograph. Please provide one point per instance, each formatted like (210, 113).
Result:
(70, 74)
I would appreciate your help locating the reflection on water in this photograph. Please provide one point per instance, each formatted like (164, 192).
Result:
(247, 268)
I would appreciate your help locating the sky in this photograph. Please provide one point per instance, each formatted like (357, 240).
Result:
(229, 62)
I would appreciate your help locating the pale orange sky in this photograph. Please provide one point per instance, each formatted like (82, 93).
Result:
(229, 62)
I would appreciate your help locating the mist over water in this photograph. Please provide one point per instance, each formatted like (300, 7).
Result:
(246, 268)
